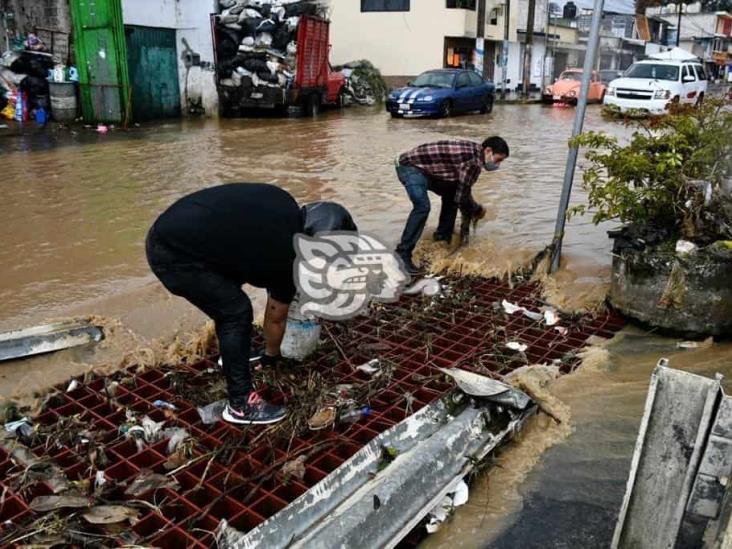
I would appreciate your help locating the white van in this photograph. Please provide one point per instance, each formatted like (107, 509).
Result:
(650, 85)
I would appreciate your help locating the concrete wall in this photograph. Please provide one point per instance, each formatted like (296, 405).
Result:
(48, 14)
(398, 43)
(191, 20)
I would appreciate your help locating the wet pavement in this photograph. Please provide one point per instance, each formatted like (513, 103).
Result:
(77, 206)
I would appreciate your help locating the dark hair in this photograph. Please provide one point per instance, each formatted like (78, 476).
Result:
(497, 144)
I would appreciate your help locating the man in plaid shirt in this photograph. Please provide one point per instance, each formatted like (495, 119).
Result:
(447, 168)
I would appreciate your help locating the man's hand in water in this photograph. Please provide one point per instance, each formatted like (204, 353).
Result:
(477, 214)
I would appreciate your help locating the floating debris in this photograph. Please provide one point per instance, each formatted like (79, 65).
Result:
(322, 419)
(44, 504)
(551, 317)
(294, 468)
(211, 413)
(148, 480)
(447, 506)
(430, 287)
(516, 346)
(474, 384)
(371, 367)
(111, 514)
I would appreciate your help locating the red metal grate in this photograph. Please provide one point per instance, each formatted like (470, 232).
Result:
(467, 329)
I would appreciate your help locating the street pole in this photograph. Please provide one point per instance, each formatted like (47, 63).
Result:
(546, 48)
(678, 25)
(504, 47)
(480, 38)
(527, 49)
(579, 120)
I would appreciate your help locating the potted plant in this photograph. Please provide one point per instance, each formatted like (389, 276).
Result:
(671, 188)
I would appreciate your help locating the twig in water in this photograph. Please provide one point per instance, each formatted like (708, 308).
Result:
(338, 346)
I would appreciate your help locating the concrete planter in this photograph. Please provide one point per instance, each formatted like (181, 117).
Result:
(690, 294)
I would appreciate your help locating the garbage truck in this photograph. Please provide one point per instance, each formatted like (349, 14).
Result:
(270, 70)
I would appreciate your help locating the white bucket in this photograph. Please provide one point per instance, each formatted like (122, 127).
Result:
(302, 334)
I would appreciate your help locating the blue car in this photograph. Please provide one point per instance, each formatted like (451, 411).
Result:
(442, 93)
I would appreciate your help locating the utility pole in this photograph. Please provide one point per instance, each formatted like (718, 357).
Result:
(504, 46)
(527, 49)
(678, 25)
(480, 39)
(546, 47)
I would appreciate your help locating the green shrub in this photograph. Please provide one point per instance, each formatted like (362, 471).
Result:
(674, 173)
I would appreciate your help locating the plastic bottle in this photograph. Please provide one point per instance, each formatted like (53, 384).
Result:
(19, 107)
(73, 74)
(352, 416)
(41, 116)
(302, 334)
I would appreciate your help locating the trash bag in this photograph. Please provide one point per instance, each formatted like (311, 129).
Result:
(326, 216)
(282, 37)
(267, 25)
(256, 65)
(267, 76)
(249, 26)
(365, 83)
(8, 111)
(226, 67)
(227, 48)
(32, 64)
(264, 39)
(37, 90)
(301, 8)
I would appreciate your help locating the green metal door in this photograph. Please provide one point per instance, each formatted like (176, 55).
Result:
(101, 58)
(153, 69)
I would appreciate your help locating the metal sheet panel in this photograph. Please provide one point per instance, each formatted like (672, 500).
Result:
(677, 419)
(101, 59)
(153, 69)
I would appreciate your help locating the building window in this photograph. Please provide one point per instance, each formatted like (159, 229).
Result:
(461, 4)
(384, 5)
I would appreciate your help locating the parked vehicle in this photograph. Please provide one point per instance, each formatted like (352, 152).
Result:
(312, 85)
(608, 75)
(443, 93)
(650, 85)
(566, 89)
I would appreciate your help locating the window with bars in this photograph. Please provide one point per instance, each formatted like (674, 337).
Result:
(384, 5)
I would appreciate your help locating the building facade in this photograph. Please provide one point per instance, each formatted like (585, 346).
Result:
(174, 38)
(708, 35)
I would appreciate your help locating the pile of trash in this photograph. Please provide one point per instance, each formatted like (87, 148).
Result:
(25, 77)
(257, 43)
(364, 83)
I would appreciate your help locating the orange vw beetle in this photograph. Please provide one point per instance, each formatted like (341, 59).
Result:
(567, 88)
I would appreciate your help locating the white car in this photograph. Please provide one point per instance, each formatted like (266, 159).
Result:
(650, 85)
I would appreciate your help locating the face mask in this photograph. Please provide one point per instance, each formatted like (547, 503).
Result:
(490, 166)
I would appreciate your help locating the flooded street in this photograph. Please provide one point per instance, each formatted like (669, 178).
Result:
(77, 207)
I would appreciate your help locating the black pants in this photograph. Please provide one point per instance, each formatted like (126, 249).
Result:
(221, 298)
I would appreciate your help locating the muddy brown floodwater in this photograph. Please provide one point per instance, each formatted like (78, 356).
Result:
(76, 207)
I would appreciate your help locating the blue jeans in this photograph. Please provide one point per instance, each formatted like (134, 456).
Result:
(417, 184)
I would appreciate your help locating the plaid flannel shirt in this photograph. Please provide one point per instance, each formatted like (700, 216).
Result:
(454, 161)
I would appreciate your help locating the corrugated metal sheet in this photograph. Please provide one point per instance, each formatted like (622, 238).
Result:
(153, 69)
(102, 59)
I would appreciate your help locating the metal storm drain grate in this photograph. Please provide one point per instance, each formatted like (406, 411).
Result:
(246, 475)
